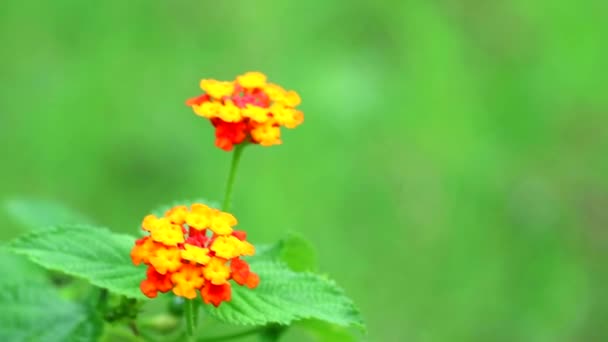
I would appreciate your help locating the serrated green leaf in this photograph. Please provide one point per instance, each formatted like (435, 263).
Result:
(32, 310)
(37, 213)
(92, 253)
(284, 296)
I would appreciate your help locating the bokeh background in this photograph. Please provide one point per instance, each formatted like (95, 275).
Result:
(451, 170)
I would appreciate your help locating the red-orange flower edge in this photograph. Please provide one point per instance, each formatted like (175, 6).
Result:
(192, 250)
(247, 109)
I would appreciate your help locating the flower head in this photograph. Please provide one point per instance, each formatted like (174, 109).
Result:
(247, 109)
(195, 249)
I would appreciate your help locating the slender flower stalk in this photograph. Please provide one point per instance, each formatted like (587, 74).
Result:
(236, 157)
(190, 316)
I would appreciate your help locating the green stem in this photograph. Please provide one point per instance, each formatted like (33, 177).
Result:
(190, 315)
(233, 336)
(236, 157)
(102, 301)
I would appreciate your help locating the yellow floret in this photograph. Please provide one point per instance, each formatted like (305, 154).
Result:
(167, 259)
(202, 209)
(229, 112)
(197, 220)
(216, 88)
(246, 248)
(266, 134)
(298, 118)
(177, 214)
(286, 116)
(208, 109)
(195, 254)
(167, 233)
(227, 247)
(292, 99)
(252, 79)
(187, 280)
(275, 92)
(255, 113)
(216, 271)
(150, 223)
(222, 223)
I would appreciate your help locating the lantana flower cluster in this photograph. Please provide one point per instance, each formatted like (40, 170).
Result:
(192, 250)
(248, 109)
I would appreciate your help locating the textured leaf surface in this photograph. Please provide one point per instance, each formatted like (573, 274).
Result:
(284, 296)
(92, 253)
(37, 214)
(32, 310)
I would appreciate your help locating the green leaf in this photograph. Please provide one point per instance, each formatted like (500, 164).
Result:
(32, 310)
(24, 270)
(36, 213)
(294, 250)
(284, 296)
(92, 253)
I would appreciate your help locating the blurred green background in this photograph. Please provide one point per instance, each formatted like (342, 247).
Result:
(451, 170)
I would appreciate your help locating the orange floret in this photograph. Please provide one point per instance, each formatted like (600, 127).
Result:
(155, 282)
(142, 251)
(216, 294)
(240, 234)
(253, 280)
(228, 134)
(242, 274)
(240, 270)
(247, 110)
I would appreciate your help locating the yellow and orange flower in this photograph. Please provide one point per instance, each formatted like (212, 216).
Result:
(248, 109)
(194, 249)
